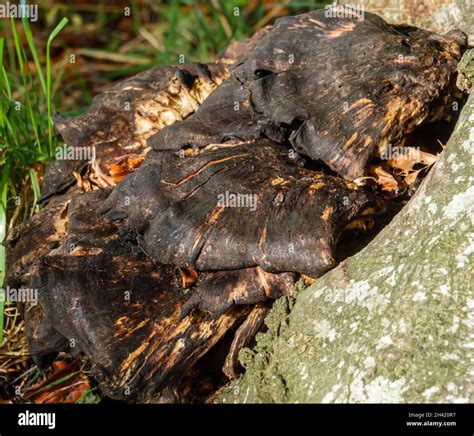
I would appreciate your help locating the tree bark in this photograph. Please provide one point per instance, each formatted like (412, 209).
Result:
(394, 323)
(439, 16)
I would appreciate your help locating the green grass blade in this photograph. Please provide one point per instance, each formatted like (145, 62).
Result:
(31, 45)
(21, 62)
(3, 233)
(53, 35)
(36, 189)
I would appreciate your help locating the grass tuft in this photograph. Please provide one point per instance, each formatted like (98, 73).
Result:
(26, 132)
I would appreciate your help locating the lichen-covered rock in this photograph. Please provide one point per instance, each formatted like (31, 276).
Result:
(393, 323)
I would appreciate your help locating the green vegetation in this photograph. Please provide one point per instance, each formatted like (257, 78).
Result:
(26, 133)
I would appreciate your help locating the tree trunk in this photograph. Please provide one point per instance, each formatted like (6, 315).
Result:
(394, 323)
(437, 15)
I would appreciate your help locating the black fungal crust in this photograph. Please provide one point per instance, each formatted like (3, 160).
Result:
(108, 263)
(338, 89)
(103, 296)
(235, 207)
(122, 118)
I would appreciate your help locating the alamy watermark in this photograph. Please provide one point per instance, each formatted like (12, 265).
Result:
(75, 153)
(400, 153)
(11, 10)
(45, 419)
(229, 199)
(20, 295)
(348, 10)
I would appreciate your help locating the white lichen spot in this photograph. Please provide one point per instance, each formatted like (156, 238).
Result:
(379, 390)
(385, 271)
(419, 296)
(457, 400)
(364, 294)
(329, 397)
(428, 393)
(291, 341)
(247, 394)
(470, 247)
(318, 293)
(401, 267)
(432, 208)
(384, 342)
(444, 290)
(369, 362)
(461, 261)
(392, 280)
(351, 369)
(322, 329)
(460, 203)
(452, 387)
(352, 348)
(470, 303)
(467, 144)
(402, 327)
(456, 323)
(450, 356)
(456, 166)
(303, 372)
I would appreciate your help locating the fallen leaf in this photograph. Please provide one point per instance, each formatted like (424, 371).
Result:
(411, 178)
(119, 170)
(66, 385)
(409, 157)
(189, 276)
(384, 179)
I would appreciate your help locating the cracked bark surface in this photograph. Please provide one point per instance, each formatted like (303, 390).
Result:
(437, 15)
(123, 117)
(340, 90)
(173, 204)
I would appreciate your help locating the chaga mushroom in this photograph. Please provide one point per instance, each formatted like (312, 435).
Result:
(151, 272)
(234, 207)
(102, 294)
(340, 90)
(120, 120)
(237, 51)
